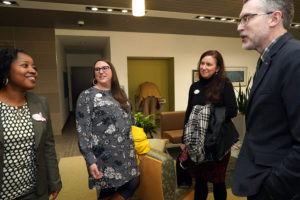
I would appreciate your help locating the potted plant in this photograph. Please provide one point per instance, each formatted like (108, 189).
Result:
(242, 101)
(146, 123)
(242, 98)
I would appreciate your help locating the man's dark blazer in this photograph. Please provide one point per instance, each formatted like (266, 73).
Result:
(270, 155)
(48, 178)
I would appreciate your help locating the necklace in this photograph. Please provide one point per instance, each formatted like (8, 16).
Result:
(19, 112)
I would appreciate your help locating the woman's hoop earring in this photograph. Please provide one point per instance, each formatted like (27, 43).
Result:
(94, 81)
(6, 82)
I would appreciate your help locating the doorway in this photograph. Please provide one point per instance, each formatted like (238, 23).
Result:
(157, 70)
(81, 78)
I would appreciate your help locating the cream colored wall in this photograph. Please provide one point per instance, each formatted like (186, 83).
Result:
(185, 49)
(61, 68)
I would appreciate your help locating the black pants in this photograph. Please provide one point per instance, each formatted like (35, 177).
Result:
(201, 190)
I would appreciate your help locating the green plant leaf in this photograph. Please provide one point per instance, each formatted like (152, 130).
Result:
(146, 123)
(242, 98)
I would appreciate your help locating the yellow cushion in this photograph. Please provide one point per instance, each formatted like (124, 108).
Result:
(141, 142)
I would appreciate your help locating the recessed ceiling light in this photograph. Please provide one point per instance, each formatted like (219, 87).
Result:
(297, 25)
(6, 2)
(109, 10)
(223, 19)
(212, 18)
(94, 9)
(124, 11)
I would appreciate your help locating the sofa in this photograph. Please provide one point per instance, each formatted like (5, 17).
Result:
(158, 175)
(171, 125)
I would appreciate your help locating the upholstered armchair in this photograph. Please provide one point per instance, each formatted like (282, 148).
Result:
(171, 125)
(158, 175)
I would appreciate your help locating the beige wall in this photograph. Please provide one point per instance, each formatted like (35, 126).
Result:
(185, 49)
(40, 44)
(61, 68)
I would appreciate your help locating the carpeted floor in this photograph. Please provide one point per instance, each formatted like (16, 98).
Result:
(230, 196)
(74, 177)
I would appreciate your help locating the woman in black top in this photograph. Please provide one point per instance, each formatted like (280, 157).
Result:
(215, 88)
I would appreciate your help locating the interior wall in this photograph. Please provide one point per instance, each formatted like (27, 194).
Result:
(106, 50)
(62, 83)
(185, 49)
(152, 70)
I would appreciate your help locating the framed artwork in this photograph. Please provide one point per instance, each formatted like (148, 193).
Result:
(237, 75)
(195, 75)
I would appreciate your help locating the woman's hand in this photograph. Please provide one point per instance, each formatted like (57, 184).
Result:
(95, 172)
(53, 195)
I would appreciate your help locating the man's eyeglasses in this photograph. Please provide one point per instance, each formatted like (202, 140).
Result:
(104, 69)
(245, 19)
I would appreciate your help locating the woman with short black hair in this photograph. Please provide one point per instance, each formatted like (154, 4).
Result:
(28, 164)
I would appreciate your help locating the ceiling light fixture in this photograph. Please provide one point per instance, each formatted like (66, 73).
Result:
(108, 10)
(6, 2)
(138, 8)
(216, 18)
(9, 3)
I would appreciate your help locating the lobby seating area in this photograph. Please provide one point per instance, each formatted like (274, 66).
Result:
(157, 167)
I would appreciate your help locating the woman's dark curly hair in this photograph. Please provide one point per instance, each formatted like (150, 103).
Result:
(215, 87)
(7, 56)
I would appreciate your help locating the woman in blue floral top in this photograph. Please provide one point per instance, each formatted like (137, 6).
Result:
(104, 119)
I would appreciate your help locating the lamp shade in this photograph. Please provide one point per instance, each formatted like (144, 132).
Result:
(138, 8)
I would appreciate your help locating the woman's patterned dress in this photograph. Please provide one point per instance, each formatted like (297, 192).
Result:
(105, 138)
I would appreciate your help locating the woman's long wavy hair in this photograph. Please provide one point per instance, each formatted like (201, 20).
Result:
(116, 91)
(215, 87)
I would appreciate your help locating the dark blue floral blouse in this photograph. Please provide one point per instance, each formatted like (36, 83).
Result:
(105, 138)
